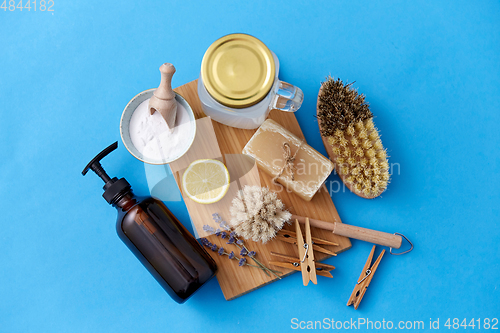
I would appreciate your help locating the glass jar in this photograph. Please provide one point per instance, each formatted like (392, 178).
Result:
(239, 85)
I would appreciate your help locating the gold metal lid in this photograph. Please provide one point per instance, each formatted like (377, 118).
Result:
(238, 70)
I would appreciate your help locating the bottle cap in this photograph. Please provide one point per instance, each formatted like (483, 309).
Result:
(114, 188)
(238, 70)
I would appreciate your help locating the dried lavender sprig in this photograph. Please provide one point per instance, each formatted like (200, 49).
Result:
(208, 228)
(272, 271)
(218, 219)
(220, 251)
(233, 239)
(260, 265)
(241, 245)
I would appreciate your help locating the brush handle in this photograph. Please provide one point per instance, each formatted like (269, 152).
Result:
(367, 235)
(314, 223)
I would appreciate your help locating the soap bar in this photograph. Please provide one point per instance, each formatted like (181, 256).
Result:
(310, 167)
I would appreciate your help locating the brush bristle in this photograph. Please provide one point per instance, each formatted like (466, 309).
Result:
(340, 106)
(362, 163)
(359, 155)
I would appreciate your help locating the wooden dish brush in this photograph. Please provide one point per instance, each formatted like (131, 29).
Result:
(351, 139)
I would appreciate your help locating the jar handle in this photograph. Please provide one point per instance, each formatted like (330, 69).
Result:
(288, 97)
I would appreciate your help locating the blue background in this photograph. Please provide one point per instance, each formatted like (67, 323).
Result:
(429, 69)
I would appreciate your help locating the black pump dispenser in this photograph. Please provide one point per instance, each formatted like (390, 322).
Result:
(114, 187)
(156, 237)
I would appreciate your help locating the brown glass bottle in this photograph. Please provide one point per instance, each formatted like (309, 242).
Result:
(155, 236)
(163, 245)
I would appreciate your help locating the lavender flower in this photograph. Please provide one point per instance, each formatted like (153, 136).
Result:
(234, 240)
(208, 228)
(205, 242)
(216, 217)
(224, 225)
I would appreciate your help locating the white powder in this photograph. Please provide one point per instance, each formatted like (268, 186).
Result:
(152, 137)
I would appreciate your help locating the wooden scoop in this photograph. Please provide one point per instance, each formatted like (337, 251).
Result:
(163, 99)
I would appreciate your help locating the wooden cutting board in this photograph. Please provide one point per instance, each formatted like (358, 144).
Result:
(236, 281)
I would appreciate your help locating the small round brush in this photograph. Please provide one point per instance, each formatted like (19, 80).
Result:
(258, 214)
(351, 139)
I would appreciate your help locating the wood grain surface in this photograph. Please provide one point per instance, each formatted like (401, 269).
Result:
(236, 281)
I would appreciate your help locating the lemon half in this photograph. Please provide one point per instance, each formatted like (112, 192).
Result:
(205, 181)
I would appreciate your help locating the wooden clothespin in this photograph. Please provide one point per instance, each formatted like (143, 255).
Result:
(305, 261)
(291, 237)
(294, 263)
(364, 279)
(306, 254)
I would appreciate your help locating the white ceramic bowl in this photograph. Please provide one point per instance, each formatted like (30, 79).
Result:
(125, 123)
